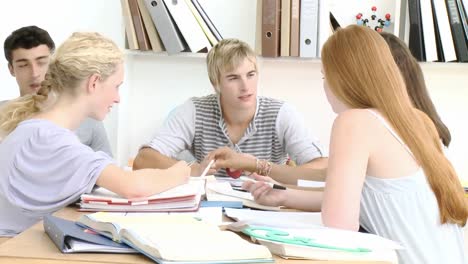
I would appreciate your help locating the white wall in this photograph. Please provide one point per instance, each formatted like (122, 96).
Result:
(155, 84)
(448, 87)
(60, 18)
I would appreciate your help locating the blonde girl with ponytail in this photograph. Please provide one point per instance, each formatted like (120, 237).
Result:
(44, 166)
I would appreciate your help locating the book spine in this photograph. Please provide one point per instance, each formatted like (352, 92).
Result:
(428, 31)
(130, 32)
(463, 17)
(207, 19)
(416, 35)
(285, 27)
(188, 25)
(55, 234)
(459, 39)
(169, 33)
(444, 30)
(440, 50)
(295, 27)
(271, 28)
(309, 28)
(153, 36)
(140, 30)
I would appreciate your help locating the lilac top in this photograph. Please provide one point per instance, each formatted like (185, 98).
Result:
(43, 168)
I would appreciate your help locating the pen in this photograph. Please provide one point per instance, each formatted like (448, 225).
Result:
(207, 168)
(239, 189)
(273, 185)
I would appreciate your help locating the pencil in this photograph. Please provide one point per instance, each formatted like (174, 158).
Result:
(207, 168)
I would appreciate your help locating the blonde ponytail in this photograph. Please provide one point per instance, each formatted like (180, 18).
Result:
(22, 108)
(80, 56)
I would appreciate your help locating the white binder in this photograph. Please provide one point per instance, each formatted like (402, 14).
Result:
(444, 30)
(168, 32)
(309, 24)
(428, 30)
(188, 25)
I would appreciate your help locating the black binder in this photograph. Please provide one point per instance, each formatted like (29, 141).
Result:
(440, 49)
(458, 36)
(416, 38)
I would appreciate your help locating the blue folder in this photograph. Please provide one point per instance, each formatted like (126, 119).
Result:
(67, 235)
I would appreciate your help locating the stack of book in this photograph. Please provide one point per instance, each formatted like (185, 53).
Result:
(301, 235)
(324, 244)
(182, 198)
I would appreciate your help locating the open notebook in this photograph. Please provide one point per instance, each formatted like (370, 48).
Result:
(322, 243)
(182, 198)
(301, 235)
(176, 238)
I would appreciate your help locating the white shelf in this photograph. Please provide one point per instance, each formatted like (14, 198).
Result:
(164, 54)
(138, 53)
(190, 55)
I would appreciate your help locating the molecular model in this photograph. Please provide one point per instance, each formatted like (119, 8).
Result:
(377, 23)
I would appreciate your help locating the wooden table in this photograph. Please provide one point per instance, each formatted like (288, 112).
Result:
(33, 246)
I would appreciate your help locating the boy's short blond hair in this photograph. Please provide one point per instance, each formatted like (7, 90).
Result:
(227, 55)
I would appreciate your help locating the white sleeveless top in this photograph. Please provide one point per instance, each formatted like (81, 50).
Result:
(405, 210)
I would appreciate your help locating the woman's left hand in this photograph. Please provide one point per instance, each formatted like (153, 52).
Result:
(263, 193)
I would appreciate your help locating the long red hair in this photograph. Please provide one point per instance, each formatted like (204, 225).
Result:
(366, 76)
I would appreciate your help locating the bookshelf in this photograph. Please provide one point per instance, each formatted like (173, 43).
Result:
(243, 19)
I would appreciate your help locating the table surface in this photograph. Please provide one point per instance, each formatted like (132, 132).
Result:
(33, 246)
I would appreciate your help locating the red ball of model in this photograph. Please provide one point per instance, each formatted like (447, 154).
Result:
(234, 173)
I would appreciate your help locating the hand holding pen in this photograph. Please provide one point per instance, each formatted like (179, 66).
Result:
(262, 190)
(270, 183)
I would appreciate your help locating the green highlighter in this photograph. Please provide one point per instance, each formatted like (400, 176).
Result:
(271, 234)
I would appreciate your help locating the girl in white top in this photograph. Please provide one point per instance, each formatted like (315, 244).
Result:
(387, 169)
(43, 165)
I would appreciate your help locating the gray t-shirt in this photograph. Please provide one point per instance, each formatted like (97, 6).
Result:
(91, 133)
(43, 168)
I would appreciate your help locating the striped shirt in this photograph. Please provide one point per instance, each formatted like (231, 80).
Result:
(275, 133)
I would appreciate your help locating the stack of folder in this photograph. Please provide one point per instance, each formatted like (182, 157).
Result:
(183, 198)
(172, 26)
